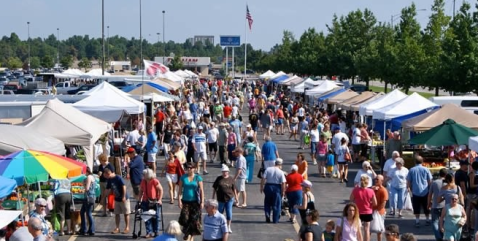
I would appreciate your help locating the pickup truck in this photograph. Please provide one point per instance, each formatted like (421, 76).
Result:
(81, 88)
(62, 88)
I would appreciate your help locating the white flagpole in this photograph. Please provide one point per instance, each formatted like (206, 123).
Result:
(245, 48)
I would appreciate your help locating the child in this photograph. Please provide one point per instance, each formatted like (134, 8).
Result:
(329, 232)
(330, 163)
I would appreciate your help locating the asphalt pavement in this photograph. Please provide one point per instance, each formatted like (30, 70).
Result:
(249, 223)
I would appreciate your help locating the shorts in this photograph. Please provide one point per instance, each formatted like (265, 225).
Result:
(280, 121)
(202, 155)
(241, 185)
(366, 217)
(321, 157)
(330, 169)
(342, 163)
(122, 207)
(152, 157)
(213, 146)
(172, 177)
(135, 189)
(420, 202)
(356, 148)
(255, 128)
(313, 148)
(294, 127)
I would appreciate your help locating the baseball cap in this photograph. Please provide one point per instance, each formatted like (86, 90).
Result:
(200, 128)
(248, 125)
(294, 168)
(306, 183)
(130, 150)
(336, 128)
(279, 161)
(224, 168)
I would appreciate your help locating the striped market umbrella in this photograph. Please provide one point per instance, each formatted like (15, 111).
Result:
(29, 166)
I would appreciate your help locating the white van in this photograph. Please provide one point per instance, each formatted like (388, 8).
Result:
(469, 103)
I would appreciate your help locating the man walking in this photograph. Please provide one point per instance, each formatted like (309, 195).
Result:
(240, 177)
(434, 205)
(199, 145)
(215, 225)
(273, 186)
(381, 194)
(419, 179)
(135, 170)
(35, 229)
(269, 152)
(151, 148)
(221, 142)
(117, 186)
(212, 136)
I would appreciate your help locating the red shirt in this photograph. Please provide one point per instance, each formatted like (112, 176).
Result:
(219, 83)
(149, 189)
(293, 182)
(280, 114)
(159, 116)
(334, 119)
(227, 111)
(363, 199)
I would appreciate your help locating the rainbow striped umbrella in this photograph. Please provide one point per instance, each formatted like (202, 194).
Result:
(29, 166)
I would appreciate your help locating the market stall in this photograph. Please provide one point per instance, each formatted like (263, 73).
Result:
(78, 189)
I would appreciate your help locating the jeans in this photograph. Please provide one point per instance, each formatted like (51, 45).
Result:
(398, 197)
(250, 167)
(152, 225)
(436, 213)
(87, 208)
(228, 207)
(272, 201)
(294, 198)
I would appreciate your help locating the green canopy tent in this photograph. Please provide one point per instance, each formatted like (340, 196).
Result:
(447, 134)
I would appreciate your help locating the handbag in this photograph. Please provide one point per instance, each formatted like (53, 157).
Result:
(461, 222)
(198, 189)
(377, 225)
(347, 156)
(408, 202)
(307, 139)
(260, 174)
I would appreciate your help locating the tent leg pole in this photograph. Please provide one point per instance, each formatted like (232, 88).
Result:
(28, 197)
(39, 188)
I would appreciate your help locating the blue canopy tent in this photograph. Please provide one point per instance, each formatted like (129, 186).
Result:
(280, 78)
(150, 84)
(396, 123)
(331, 94)
(7, 186)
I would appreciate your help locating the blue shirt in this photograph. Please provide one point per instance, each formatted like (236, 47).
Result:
(150, 147)
(269, 149)
(189, 188)
(419, 177)
(215, 226)
(330, 160)
(136, 167)
(165, 237)
(116, 185)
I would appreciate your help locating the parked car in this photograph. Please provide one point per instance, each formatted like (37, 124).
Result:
(3, 80)
(119, 84)
(12, 86)
(81, 88)
(359, 88)
(25, 92)
(63, 87)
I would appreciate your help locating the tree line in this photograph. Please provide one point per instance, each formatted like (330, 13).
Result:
(441, 55)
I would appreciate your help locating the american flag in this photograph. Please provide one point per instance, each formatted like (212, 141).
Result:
(249, 17)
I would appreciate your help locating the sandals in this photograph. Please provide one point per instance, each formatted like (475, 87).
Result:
(115, 231)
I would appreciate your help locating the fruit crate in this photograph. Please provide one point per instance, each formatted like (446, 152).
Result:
(12, 205)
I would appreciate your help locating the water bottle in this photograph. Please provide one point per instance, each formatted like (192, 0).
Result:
(56, 236)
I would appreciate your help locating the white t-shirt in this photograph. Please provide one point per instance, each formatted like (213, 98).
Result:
(212, 135)
(199, 141)
(337, 138)
(187, 114)
(314, 135)
(356, 136)
(389, 165)
(133, 137)
(301, 112)
(235, 111)
(236, 100)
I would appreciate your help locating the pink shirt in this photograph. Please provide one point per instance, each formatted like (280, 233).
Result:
(231, 138)
(322, 147)
(363, 199)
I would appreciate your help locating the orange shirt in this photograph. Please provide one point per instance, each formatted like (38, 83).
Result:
(149, 189)
(280, 114)
(381, 194)
(302, 166)
(159, 116)
(171, 167)
(227, 111)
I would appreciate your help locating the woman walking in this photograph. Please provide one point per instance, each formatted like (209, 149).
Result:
(365, 199)
(452, 219)
(88, 203)
(308, 201)
(171, 172)
(302, 164)
(191, 202)
(314, 140)
(312, 231)
(294, 126)
(250, 154)
(151, 194)
(294, 192)
(343, 165)
(398, 186)
(231, 145)
(322, 149)
(348, 227)
(224, 188)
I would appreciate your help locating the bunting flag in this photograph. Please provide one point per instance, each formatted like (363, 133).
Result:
(154, 69)
(249, 17)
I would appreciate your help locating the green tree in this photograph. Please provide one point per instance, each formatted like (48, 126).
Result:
(14, 63)
(433, 46)
(35, 62)
(176, 63)
(47, 61)
(285, 53)
(84, 64)
(386, 53)
(66, 61)
(310, 47)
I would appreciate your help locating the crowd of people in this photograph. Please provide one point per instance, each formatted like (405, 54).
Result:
(209, 126)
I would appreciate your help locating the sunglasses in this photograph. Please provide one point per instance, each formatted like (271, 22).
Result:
(389, 233)
(42, 206)
(454, 199)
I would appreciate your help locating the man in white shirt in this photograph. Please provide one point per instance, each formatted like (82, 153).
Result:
(356, 138)
(211, 136)
(199, 144)
(390, 164)
(235, 100)
(336, 144)
(273, 186)
(235, 111)
(132, 139)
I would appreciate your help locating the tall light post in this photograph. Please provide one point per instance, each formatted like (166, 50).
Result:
(108, 44)
(159, 46)
(29, 48)
(141, 47)
(164, 42)
(103, 36)
(58, 48)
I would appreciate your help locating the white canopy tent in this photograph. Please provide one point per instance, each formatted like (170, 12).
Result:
(94, 73)
(473, 143)
(16, 138)
(106, 97)
(280, 73)
(388, 99)
(310, 83)
(291, 80)
(190, 73)
(182, 74)
(326, 86)
(171, 76)
(69, 125)
(407, 105)
(267, 74)
(157, 97)
(7, 216)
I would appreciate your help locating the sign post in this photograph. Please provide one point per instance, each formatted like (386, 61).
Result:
(230, 41)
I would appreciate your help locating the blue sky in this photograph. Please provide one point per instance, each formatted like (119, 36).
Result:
(186, 18)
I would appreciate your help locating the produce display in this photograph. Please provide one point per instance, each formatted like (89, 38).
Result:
(12, 202)
(15, 197)
(77, 188)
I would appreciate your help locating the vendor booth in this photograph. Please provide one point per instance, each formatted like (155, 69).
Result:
(267, 74)
(16, 138)
(345, 105)
(388, 99)
(345, 95)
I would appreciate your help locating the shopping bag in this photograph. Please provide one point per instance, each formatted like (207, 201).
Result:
(408, 202)
(55, 220)
(307, 139)
(111, 201)
(377, 225)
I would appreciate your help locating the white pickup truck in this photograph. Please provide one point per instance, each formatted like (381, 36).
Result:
(62, 88)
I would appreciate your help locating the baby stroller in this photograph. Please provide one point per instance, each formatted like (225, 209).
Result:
(139, 214)
(284, 206)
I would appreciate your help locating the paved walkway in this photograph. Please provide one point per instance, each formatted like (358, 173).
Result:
(249, 223)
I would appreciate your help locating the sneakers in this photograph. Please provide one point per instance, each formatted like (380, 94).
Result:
(205, 172)
(315, 163)
(229, 230)
(417, 224)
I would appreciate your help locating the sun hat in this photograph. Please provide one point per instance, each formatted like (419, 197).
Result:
(224, 168)
(294, 168)
(306, 183)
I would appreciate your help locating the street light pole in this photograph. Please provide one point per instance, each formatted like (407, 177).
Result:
(164, 35)
(108, 44)
(141, 48)
(159, 46)
(58, 48)
(103, 36)
(29, 48)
